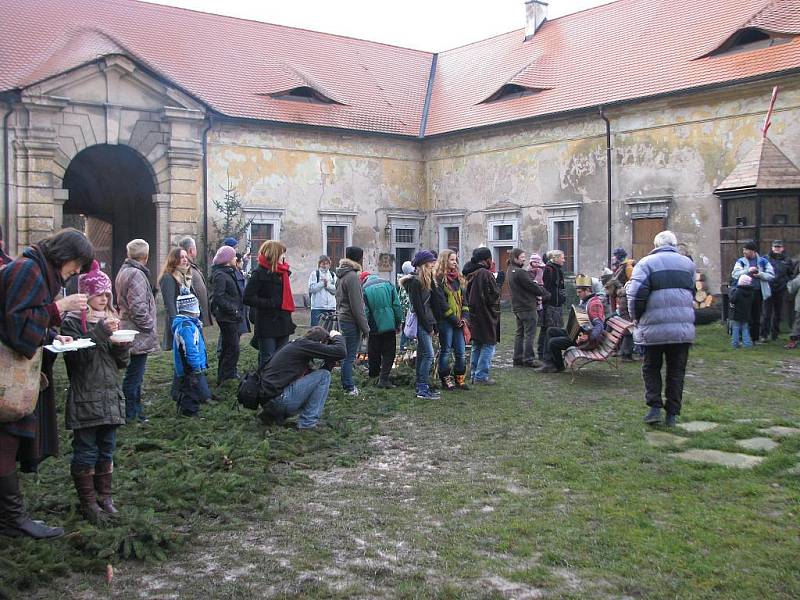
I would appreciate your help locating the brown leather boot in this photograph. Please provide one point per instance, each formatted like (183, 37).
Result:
(103, 475)
(461, 382)
(84, 485)
(14, 519)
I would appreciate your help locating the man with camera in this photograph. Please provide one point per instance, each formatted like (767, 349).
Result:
(290, 385)
(591, 335)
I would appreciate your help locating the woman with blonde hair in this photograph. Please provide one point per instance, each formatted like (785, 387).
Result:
(424, 302)
(450, 286)
(175, 275)
(269, 294)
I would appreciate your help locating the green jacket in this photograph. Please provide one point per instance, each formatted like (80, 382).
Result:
(94, 396)
(382, 305)
(453, 296)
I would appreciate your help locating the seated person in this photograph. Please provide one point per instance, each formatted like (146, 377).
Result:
(289, 385)
(557, 339)
(190, 386)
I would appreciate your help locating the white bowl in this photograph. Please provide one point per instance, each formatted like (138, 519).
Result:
(123, 335)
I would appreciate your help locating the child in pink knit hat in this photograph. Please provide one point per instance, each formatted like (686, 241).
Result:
(95, 402)
(741, 300)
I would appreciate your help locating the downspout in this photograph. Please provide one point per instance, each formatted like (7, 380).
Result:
(205, 191)
(6, 178)
(608, 179)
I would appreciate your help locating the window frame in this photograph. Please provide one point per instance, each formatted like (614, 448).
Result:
(334, 218)
(557, 213)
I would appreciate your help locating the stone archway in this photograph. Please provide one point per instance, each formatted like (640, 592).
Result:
(110, 195)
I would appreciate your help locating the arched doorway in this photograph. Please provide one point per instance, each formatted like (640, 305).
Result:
(111, 192)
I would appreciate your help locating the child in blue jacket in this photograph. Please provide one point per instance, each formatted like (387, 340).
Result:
(189, 356)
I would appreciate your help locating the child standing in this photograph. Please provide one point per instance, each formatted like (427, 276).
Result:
(741, 299)
(95, 404)
(189, 356)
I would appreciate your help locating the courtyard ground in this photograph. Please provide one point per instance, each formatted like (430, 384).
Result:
(536, 488)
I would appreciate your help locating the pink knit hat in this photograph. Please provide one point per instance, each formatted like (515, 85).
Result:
(224, 255)
(95, 282)
(744, 280)
(536, 260)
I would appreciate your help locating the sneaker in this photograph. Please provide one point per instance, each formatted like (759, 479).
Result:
(354, 392)
(653, 416)
(671, 421)
(425, 392)
(791, 345)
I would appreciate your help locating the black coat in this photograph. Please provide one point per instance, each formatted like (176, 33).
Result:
(227, 303)
(783, 271)
(264, 293)
(553, 279)
(741, 299)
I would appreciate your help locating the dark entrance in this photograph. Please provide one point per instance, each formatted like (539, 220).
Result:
(111, 192)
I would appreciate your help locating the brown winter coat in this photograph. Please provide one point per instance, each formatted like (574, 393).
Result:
(483, 299)
(137, 306)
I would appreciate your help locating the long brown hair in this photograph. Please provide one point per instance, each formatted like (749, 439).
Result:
(172, 262)
(441, 268)
(272, 250)
(425, 276)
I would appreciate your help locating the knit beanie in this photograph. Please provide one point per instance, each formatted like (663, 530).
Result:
(224, 255)
(422, 257)
(536, 261)
(187, 302)
(362, 277)
(354, 253)
(231, 241)
(408, 268)
(95, 282)
(480, 254)
(744, 280)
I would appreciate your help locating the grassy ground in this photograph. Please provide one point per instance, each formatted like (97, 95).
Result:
(535, 488)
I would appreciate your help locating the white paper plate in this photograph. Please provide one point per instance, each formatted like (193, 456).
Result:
(78, 344)
(123, 335)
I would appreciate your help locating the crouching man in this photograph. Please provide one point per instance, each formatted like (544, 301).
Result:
(289, 383)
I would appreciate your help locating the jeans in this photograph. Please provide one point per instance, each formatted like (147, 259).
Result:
(306, 396)
(352, 339)
(268, 346)
(132, 387)
(737, 328)
(316, 315)
(381, 352)
(677, 355)
(451, 338)
(91, 445)
(556, 341)
(228, 356)
(482, 355)
(523, 340)
(190, 391)
(773, 311)
(424, 355)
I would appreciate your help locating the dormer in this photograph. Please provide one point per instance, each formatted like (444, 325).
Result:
(510, 91)
(304, 93)
(750, 38)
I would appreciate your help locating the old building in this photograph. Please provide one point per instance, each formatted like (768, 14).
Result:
(135, 116)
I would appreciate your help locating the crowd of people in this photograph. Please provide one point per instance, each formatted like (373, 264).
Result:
(435, 302)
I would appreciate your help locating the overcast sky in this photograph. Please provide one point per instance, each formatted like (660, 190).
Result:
(432, 25)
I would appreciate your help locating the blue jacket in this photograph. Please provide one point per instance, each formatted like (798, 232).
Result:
(188, 343)
(764, 276)
(660, 298)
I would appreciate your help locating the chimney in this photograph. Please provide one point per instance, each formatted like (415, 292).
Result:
(535, 16)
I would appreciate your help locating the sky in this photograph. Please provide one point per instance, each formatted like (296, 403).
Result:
(432, 25)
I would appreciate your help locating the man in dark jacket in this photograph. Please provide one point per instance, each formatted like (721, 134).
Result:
(483, 299)
(773, 306)
(350, 311)
(661, 303)
(524, 295)
(289, 384)
(227, 303)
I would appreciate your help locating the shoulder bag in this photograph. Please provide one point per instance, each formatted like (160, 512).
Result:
(19, 383)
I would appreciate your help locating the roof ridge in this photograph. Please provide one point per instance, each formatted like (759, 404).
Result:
(221, 16)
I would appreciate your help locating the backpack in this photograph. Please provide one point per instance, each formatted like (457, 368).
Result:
(249, 394)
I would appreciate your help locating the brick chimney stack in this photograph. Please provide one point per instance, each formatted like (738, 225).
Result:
(535, 16)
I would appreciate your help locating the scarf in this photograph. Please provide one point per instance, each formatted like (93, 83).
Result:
(91, 316)
(183, 275)
(287, 302)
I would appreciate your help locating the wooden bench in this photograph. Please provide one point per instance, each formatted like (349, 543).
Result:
(616, 328)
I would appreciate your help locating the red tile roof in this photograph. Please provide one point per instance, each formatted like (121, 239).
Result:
(620, 51)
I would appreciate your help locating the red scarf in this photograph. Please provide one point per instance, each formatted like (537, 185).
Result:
(287, 302)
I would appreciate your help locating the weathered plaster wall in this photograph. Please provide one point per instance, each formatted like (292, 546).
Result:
(681, 148)
(305, 171)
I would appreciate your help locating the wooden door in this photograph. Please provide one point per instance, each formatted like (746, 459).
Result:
(644, 230)
(503, 253)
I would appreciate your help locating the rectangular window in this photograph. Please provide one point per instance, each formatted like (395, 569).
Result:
(453, 238)
(565, 241)
(404, 236)
(503, 232)
(259, 233)
(336, 236)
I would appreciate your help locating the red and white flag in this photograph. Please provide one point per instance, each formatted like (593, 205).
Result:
(768, 120)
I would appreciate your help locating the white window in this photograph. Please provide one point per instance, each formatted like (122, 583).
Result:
(563, 232)
(404, 238)
(263, 224)
(503, 235)
(337, 233)
(451, 225)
